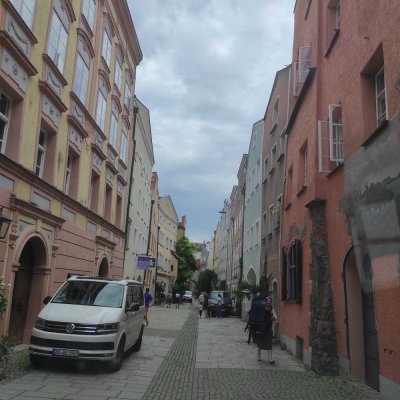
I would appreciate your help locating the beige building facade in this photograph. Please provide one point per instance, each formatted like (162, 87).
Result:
(67, 77)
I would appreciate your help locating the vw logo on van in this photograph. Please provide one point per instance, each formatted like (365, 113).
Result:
(70, 328)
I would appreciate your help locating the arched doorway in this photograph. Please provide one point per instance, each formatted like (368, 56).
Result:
(362, 340)
(27, 290)
(103, 269)
(251, 276)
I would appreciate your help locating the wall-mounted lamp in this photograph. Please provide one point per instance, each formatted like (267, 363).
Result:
(4, 224)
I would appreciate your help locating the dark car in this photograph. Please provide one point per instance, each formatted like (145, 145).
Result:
(226, 308)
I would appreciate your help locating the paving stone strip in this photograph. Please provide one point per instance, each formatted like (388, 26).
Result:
(177, 378)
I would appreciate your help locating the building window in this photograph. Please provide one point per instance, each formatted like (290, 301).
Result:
(289, 185)
(107, 205)
(81, 81)
(127, 95)
(113, 131)
(275, 113)
(294, 272)
(266, 166)
(88, 10)
(41, 153)
(277, 212)
(270, 219)
(94, 193)
(68, 172)
(301, 68)
(380, 92)
(118, 75)
(106, 49)
(335, 133)
(26, 9)
(123, 147)
(58, 42)
(101, 110)
(5, 106)
(303, 169)
(273, 158)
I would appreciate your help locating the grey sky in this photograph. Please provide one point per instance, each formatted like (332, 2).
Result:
(206, 74)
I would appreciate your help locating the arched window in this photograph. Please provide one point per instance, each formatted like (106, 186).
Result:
(294, 272)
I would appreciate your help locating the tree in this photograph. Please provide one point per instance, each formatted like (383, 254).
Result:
(207, 281)
(186, 263)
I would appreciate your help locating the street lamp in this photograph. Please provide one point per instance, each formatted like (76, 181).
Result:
(4, 224)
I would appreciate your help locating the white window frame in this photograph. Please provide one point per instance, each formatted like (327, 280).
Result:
(335, 135)
(379, 96)
(118, 74)
(266, 167)
(42, 151)
(81, 80)
(88, 10)
(106, 47)
(337, 16)
(127, 94)
(6, 119)
(101, 110)
(26, 9)
(68, 171)
(113, 131)
(58, 42)
(123, 146)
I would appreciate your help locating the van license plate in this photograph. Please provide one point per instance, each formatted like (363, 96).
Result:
(65, 353)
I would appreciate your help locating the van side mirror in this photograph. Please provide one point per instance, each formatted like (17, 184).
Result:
(46, 299)
(133, 307)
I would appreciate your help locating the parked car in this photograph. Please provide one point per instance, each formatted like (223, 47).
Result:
(226, 308)
(188, 297)
(90, 318)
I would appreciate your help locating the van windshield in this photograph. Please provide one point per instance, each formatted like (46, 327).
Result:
(90, 293)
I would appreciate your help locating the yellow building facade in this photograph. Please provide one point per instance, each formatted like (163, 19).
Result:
(67, 80)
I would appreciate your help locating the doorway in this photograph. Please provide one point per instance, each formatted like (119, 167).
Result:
(362, 340)
(103, 269)
(27, 291)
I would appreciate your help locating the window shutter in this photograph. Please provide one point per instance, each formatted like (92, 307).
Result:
(299, 271)
(283, 274)
(304, 62)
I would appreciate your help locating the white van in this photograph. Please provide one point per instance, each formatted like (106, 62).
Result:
(90, 318)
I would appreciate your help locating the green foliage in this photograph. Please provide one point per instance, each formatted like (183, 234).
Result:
(207, 281)
(5, 346)
(186, 264)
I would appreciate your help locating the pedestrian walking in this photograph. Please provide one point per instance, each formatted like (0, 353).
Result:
(262, 316)
(201, 298)
(205, 306)
(219, 305)
(168, 299)
(147, 300)
(177, 299)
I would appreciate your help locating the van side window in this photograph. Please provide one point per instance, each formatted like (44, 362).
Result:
(138, 295)
(129, 296)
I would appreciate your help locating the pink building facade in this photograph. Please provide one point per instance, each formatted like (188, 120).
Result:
(66, 80)
(340, 233)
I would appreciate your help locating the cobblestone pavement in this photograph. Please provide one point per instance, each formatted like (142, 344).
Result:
(183, 357)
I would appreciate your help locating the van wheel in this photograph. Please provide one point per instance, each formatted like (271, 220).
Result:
(138, 344)
(115, 365)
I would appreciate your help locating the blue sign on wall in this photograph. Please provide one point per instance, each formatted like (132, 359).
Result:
(145, 262)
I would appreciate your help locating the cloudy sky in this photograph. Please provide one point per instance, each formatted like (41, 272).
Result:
(207, 71)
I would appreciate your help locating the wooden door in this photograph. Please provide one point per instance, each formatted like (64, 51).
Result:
(20, 299)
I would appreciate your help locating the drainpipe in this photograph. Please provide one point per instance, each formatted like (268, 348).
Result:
(155, 274)
(135, 112)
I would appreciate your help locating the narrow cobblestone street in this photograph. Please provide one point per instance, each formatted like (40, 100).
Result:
(183, 357)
